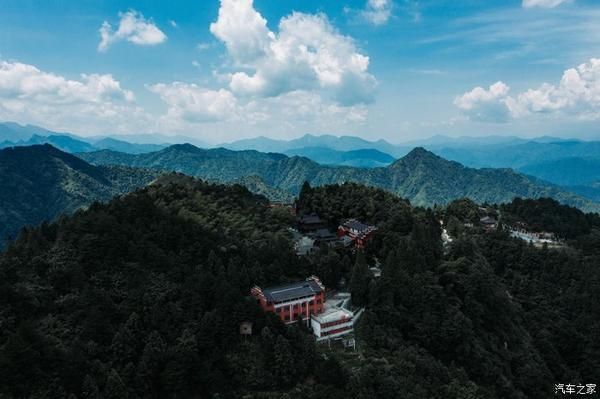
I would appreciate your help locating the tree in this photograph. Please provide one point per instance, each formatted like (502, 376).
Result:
(151, 364)
(90, 389)
(359, 281)
(114, 387)
(283, 365)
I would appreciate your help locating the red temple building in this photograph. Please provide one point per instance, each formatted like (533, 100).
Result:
(305, 300)
(359, 232)
(293, 301)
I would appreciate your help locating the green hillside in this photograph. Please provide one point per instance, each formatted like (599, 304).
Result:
(41, 182)
(142, 297)
(420, 176)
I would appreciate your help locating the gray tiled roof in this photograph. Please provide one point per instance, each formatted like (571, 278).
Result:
(292, 291)
(310, 219)
(355, 225)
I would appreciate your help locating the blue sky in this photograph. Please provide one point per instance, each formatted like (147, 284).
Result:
(223, 70)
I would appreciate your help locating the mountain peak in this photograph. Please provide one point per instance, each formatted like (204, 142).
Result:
(420, 156)
(186, 147)
(420, 153)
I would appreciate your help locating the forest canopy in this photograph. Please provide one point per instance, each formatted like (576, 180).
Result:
(143, 296)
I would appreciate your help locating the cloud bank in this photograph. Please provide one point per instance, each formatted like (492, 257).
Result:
(304, 74)
(543, 3)
(377, 12)
(577, 95)
(134, 28)
(307, 53)
(94, 101)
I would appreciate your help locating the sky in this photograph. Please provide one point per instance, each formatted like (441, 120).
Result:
(224, 70)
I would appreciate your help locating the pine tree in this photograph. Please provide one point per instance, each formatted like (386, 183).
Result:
(89, 389)
(151, 364)
(359, 282)
(283, 365)
(126, 342)
(114, 387)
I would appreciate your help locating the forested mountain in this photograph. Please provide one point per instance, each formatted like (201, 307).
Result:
(420, 176)
(363, 158)
(142, 298)
(590, 190)
(41, 182)
(566, 171)
(566, 162)
(257, 186)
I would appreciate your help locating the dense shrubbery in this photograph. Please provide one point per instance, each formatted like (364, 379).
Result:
(547, 214)
(142, 297)
(41, 182)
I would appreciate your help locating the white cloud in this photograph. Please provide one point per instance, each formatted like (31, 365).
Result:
(308, 107)
(243, 30)
(485, 104)
(134, 28)
(543, 3)
(25, 81)
(307, 53)
(577, 96)
(378, 12)
(193, 104)
(94, 101)
(203, 46)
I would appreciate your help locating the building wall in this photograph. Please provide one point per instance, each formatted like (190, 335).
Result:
(332, 331)
(288, 311)
(359, 240)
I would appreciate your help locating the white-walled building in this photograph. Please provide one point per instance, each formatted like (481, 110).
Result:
(333, 322)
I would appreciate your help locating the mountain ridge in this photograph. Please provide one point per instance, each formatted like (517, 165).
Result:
(421, 176)
(41, 182)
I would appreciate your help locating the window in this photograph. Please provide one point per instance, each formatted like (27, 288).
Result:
(311, 302)
(278, 310)
(287, 317)
(303, 304)
(318, 301)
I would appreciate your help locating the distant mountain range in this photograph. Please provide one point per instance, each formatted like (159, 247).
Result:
(73, 145)
(570, 163)
(363, 158)
(590, 191)
(566, 171)
(520, 155)
(559, 161)
(41, 182)
(15, 135)
(420, 176)
(14, 132)
(342, 143)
